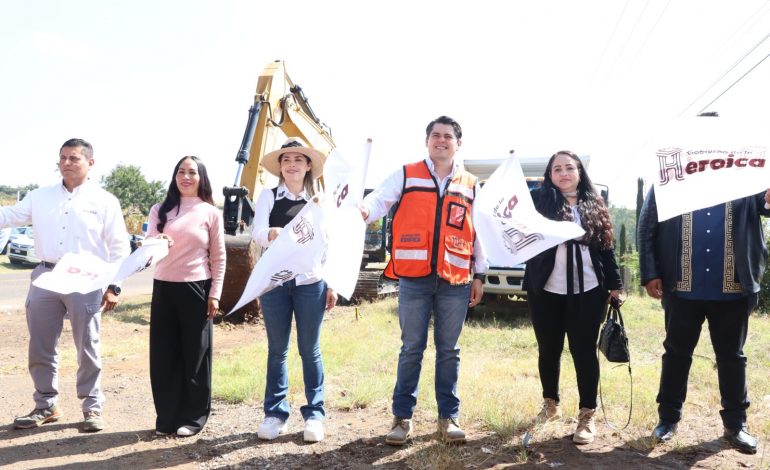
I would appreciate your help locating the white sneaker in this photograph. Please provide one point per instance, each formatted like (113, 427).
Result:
(185, 431)
(314, 430)
(271, 427)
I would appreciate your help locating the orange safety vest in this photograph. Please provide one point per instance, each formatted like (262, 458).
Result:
(433, 234)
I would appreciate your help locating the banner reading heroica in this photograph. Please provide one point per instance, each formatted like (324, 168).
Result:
(689, 179)
(507, 224)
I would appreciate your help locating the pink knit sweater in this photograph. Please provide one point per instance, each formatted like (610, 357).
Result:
(199, 244)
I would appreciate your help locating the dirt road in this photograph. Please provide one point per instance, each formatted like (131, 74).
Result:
(354, 440)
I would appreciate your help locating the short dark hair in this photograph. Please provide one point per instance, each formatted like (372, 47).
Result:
(88, 150)
(445, 120)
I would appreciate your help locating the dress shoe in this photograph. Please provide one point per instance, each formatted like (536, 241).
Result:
(741, 440)
(664, 431)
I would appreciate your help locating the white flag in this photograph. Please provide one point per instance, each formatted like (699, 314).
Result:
(84, 272)
(693, 178)
(509, 228)
(298, 249)
(344, 181)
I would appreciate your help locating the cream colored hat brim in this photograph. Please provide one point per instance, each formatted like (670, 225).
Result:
(317, 159)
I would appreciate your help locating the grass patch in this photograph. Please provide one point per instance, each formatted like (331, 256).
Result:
(499, 384)
(131, 312)
(7, 267)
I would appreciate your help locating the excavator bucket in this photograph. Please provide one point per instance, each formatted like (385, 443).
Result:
(242, 255)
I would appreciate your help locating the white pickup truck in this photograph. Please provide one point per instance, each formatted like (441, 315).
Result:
(502, 280)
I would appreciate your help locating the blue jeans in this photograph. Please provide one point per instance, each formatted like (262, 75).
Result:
(417, 299)
(307, 304)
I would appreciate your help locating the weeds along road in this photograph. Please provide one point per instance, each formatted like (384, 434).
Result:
(14, 285)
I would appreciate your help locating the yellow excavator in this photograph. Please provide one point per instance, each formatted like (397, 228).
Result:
(280, 110)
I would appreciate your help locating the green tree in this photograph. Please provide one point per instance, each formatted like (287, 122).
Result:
(621, 216)
(8, 194)
(639, 198)
(622, 239)
(135, 193)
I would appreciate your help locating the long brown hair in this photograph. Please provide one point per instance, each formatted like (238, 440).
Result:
(594, 214)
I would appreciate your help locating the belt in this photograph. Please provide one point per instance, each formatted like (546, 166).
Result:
(46, 264)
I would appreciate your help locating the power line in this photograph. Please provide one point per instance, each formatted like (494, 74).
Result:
(734, 83)
(639, 51)
(726, 73)
(609, 41)
(628, 38)
(735, 33)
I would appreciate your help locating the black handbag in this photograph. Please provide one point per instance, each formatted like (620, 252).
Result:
(613, 342)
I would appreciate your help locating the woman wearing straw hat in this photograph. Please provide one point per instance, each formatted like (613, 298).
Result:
(305, 297)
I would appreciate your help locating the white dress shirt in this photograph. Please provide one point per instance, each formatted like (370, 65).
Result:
(87, 220)
(261, 224)
(379, 202)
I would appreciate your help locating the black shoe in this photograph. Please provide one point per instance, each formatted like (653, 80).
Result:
(664, 431)
(741, 440)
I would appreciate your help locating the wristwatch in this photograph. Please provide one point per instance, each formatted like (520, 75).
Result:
(480, 277)
(115, 289)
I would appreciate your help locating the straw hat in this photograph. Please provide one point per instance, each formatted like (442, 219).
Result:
(294, 145)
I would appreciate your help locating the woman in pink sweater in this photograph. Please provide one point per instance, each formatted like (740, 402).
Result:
(185, 298)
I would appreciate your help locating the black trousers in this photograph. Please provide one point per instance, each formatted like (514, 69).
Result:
(180, 354)
(555, 315)
(728, 323)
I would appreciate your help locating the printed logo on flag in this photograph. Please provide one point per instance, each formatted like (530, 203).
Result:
(516, 240)
(279, 278)
(304, 231)
(507, 209)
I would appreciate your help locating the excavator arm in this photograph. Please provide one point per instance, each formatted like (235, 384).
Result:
(280, 110)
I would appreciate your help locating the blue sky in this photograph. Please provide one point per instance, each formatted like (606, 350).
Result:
(148, 82)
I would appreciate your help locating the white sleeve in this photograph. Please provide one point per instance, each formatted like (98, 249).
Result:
(379, 201)
(18, 214)
(261, 225)
(115, 233)
(480, 262)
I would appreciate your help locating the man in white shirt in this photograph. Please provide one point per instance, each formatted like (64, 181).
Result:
(74, 216)
(440, 267)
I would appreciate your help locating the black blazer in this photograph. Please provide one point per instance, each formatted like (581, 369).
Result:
(659, 243)
(539, 267)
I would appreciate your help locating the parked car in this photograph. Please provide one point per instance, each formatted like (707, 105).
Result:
(22, 248)
(7, 235)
